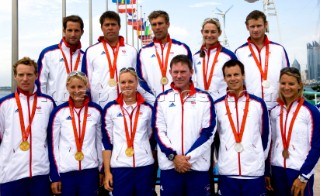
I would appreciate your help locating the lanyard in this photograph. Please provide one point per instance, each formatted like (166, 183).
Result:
(79, 141)
(66, 62)
(132, 130)
(205, 67)
(238, 135)
(264, 74)
(286, 141)
(25, 132)
(163, 67)
(112, 66)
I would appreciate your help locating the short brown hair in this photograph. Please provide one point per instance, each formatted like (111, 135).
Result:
(72, 18)
(159, 13)
(181, 58)
(110, 15)
(256, 14)
(25, 61)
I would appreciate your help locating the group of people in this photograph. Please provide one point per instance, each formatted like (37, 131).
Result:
(110, 116)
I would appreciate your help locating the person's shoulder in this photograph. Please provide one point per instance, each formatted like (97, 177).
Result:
(241, 47)
(7, 97)
(50, 48)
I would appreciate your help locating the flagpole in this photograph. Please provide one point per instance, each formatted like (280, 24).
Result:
(90, 22)
(126, 21)
(107, 5)
(15, 40)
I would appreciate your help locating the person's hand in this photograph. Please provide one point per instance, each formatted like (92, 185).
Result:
(181, 163)
(268, 183)
(108, 181)
(56, 187)
(298, 187)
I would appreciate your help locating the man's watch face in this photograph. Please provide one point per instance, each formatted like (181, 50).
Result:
(171, 157)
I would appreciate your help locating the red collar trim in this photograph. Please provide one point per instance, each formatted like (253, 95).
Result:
(282, 103)
(140, 99)
(191, 88)
(266, 40)
(231, 94)
(73, 48)
(215, 46)
(86, 102)
(25, 93)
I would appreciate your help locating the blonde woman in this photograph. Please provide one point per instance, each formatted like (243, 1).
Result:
(128, 160)
(208, 61)
(75, 141)
(295, 138)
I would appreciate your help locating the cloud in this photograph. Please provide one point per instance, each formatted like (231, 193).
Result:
(177, 31)
(203, 4)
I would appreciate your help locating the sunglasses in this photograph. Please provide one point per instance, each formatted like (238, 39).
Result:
(211, 19)
(126, 69)
(290, 70)
(79, 73)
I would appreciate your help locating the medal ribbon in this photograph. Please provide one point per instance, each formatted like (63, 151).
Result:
(238, 135)
(112, 66)
(134, 130)
(25, 132)
(163, 67)
(264, 74)
(79, 141)
(66, 62)
(286, 141)
(206, 82)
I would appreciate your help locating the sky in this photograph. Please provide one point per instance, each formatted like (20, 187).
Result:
(296, 23)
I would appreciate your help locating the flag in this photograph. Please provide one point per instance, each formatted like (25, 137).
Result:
(129, 8)
(135, 22)
(124, 1)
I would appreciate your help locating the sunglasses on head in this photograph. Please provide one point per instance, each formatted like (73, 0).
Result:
(79, 73)
(211, 19)
(125, 69)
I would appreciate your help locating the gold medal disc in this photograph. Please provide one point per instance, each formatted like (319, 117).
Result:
(129, 152)
(24, 146)
(164, 80)
(112, 82)
(285, 153)
(79, 156)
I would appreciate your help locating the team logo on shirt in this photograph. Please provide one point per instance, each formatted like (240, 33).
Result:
(153, 56)
(199, 63)
(103, 52)
(119, 114)
(61, 60)
(172, 105)
(68, 118)
(17, 110)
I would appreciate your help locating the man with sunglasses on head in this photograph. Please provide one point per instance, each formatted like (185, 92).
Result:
(153, 59)
(263, 59)
(57, 61)
(24, 116)
(103, 60)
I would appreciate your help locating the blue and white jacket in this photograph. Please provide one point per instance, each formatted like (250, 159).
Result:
(148, 68)
(304, 148)
(114, 135)
(16, 164)
(218, 86)
(255, 140)
(52, 70)
(185, 126)
(62, 144)
(278, 59)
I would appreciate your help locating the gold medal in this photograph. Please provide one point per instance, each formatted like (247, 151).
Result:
(266, 84)
(79, 156)
(112, 82)
(24, 146)
(164, 80)
(129, 152)
(238, 147)
(285, 153)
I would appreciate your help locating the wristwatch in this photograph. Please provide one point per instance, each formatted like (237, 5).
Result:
(302, 179)
(172, 156)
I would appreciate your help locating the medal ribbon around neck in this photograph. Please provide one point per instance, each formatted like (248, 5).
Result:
(134, 129)
(206, 82)
(112, 66)
(264, 74)
(163, 67)
(25, 132)
(238, 136)
(66, 62)
(286, 141)
(79, 141)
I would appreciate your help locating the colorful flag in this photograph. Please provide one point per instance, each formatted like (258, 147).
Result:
(127, 8)
(124, 1)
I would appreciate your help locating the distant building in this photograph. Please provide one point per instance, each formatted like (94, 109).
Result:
(313, 64)
(296, 64)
